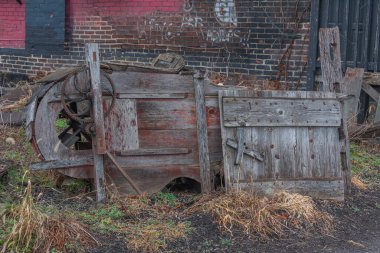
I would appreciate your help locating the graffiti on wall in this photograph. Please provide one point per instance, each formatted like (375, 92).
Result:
(157, 28)
(225, 12)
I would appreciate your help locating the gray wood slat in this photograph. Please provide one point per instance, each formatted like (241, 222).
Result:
(121, 126)
(153, 151)
(344, 31)
(356, 29)
(313, 45)
(204, 157)
(98, 142)
(365, 38)
(280, 112)
(323, 189)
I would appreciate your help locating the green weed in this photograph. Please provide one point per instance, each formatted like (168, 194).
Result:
(226, 242)
(355, 209)
(61, 124)
(166, 199)
(364, 164)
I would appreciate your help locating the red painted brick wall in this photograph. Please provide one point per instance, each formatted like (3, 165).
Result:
(12, 24)
(117, 8)
(267, 40)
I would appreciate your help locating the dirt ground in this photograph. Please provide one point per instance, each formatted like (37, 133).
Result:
(357, 230)
(357, 219)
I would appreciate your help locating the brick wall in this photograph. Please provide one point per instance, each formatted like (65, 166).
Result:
(12, 24)
(265, 39)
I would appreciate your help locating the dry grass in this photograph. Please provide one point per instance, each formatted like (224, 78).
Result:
(359, 184)
(264, 216)
(153, 235)
(34, 231)
(26, 89)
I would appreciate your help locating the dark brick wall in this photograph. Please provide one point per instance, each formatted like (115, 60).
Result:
(45, 26)
(265, 39)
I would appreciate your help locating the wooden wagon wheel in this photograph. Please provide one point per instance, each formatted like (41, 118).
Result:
(81, 121)
(85, 95)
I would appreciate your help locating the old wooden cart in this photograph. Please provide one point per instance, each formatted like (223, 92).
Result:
(159, 125)
(150, 122)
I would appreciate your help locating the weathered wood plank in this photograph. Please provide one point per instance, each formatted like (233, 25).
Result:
(372, 78)
(204, 159)
(124, 173)
(153, 151)
(345, 153)
(377, 115)
(352, 85)
(280, 112)
(98, 140)
(151, 83)
(239, 147)
(121, 127)
(152, 96)
(291, 154)
(329, 43)
(249, 152)
(371, 91)
(321, 189)
(93, 61)
(61, 164)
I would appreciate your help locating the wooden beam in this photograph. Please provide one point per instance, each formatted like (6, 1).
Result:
(371, 91)
(372, 78)
(313, 44)
(98, 143)
(249, 152)
(345, 152)
(93, 61)
(153, 151)
(61, 164)
(352, 85)
(329, 43)
(204, 157)
(124, 173)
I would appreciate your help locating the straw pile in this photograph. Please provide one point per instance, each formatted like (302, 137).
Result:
(264, 216)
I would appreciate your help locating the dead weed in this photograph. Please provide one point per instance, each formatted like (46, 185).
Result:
(153, 235)
(265, 216)
(35, 231)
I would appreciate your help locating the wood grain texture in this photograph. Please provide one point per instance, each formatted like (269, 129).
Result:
(322, 189)
(280, 112)
(61, 164)
(371, 78)
(352, 85)
(290, 153)
(329, 44)
(121, 127)
(204, 157)
(98, 139)
(93, 62)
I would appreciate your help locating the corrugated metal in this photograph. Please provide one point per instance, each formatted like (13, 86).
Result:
(359, 25)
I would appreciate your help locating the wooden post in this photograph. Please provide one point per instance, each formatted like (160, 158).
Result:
(98, 143)
(352, 85)
(345, 151)
(204, 158)
(329, 43)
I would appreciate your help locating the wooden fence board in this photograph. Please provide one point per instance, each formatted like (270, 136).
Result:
(280, 112)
